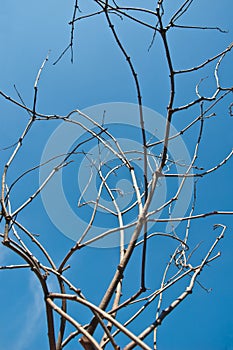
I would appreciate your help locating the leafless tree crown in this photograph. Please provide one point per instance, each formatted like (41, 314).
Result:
(113, 319)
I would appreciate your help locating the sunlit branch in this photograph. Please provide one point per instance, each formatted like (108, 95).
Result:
(73, 322)
(192, 217)
(204, 115)
(12, 267)
(205, 62)
(224, 161)
(101, 313)
(196, 27)
(183, 296)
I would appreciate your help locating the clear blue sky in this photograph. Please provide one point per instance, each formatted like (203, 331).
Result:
(99, 74)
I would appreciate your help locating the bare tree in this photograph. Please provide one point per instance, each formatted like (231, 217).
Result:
(146, 223)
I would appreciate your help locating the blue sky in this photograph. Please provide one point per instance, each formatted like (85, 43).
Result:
(99, 74)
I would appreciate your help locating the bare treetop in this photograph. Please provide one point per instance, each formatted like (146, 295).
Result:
(121, 176)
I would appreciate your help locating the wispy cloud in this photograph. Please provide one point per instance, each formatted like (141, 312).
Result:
(4, 253)
(32, 318)
(33, 315)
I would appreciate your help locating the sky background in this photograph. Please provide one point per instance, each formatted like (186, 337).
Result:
(99, 74)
